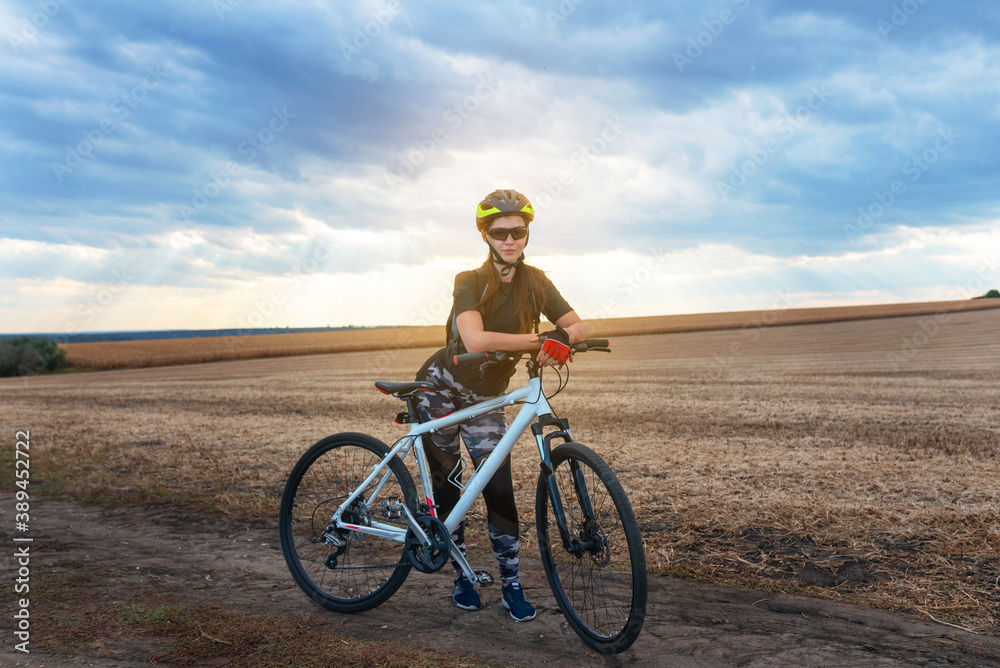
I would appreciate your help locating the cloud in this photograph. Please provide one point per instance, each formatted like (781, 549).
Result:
(210, 147)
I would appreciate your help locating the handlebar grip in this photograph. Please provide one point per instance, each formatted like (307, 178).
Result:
(465, 358)
(591, 344)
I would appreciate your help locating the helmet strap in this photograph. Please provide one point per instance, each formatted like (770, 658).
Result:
(507, 266)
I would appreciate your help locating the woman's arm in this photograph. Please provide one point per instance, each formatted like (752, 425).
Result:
(574, 326)
(477, 339)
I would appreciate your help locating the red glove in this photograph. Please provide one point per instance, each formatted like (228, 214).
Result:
(557, 344)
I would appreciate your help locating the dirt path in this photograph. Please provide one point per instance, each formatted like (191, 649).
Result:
(175, 558)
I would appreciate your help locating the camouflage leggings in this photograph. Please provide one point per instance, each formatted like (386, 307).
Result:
(481, 436)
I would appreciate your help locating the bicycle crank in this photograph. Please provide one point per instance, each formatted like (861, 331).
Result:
(432, 556)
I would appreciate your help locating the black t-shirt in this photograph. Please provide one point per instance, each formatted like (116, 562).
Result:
(498, 316)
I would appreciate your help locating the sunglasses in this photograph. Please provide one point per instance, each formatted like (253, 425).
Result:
(500, 233)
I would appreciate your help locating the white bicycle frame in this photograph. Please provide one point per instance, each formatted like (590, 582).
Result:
(534, 406)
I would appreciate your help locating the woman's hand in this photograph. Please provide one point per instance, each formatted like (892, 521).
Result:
(555, 350)
(545, 359)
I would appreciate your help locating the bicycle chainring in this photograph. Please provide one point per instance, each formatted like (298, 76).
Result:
(428, 559)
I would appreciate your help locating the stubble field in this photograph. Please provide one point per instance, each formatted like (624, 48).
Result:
(849, 460)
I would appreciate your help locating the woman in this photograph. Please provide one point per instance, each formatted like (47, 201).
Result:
(496, 308)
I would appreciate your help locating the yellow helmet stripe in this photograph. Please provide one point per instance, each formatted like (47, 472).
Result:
(482, 213)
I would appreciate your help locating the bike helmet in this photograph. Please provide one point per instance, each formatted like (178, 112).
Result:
(503, 203)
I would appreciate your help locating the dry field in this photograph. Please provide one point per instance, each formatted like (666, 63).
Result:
(163, 352)
(854, 460)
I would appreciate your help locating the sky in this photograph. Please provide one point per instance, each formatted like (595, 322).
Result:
(211, 164)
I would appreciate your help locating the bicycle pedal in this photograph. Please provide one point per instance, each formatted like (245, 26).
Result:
(392, 508)
(484, 579)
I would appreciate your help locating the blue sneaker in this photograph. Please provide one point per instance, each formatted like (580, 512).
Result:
(465, 595)
(514, 600)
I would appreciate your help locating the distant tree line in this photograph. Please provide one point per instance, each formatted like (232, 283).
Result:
(992, 294)
(28, 355)
(89, 337)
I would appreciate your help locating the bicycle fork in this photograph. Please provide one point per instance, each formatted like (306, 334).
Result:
(579, 484)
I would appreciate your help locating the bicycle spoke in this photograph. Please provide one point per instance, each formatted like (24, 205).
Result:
(601, 589)
(367, 569)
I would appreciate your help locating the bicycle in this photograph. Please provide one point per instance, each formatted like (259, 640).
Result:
(352, 524)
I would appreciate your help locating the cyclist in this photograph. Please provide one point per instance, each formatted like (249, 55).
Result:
(496, 307)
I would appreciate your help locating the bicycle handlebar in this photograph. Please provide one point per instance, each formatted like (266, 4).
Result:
(600, 345)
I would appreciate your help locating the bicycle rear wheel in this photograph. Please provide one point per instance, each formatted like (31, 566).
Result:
(599, 582)
(368, 569)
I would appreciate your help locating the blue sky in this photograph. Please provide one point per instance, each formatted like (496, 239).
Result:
(227, 163)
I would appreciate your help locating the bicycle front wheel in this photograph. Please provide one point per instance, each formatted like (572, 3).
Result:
(364, 570)
(599, 578)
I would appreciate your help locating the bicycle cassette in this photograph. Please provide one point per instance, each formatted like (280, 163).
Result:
(428, 559)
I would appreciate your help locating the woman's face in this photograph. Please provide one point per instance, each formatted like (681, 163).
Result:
(510, 248)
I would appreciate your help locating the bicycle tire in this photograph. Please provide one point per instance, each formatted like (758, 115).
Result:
(602, 591)
(370, 569)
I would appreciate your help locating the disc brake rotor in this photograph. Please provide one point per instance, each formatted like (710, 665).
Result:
(597, 544)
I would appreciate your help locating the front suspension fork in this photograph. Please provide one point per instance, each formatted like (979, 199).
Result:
(580, 487)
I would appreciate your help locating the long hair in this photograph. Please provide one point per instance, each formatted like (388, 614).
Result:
(526, 282)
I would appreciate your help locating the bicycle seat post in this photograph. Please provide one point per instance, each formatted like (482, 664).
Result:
(411, 409)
